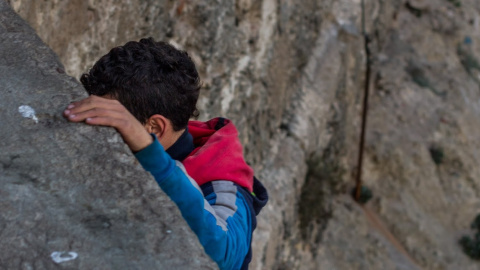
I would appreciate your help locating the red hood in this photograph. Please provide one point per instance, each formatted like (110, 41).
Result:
(218, 154)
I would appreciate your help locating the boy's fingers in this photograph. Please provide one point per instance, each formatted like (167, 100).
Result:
(93, 102)
(94, 113)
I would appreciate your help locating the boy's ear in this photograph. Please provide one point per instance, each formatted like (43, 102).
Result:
(158, 125)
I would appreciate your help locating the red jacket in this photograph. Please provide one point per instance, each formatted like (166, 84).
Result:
(218, 154)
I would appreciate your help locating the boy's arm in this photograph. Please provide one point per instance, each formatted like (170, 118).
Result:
(222, 224)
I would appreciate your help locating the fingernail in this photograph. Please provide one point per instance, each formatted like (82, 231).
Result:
(67, 111)
(70, 106)
(71, 116)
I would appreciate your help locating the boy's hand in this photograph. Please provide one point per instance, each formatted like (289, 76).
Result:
(98, 111)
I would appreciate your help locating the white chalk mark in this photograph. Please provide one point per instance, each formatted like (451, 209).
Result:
(169, 231)
(28, 112)
(60, 257)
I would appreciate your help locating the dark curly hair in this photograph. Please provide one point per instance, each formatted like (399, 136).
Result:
(148, 78)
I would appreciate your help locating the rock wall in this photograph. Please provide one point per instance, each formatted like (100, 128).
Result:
(291, 75)
(73, 196)
(424, 126)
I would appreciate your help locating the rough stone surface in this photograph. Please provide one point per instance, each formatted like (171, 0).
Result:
(291, 74)
(73, 188)
(424, 127)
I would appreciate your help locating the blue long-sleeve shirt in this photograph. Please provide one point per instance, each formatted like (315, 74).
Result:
(220, 218)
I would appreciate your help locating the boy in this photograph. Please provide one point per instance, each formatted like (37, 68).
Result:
(148, 91)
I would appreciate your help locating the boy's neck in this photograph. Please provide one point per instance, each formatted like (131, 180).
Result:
(170, 138)
(182, 147)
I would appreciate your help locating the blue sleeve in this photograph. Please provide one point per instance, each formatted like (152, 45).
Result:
(221, 220)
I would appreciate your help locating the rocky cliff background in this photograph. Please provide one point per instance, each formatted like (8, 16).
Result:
(291, 74)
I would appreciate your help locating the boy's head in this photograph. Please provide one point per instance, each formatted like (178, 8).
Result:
(148, 78)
